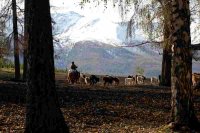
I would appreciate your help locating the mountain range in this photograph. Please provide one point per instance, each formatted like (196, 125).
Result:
(98, 44)
(87, 43)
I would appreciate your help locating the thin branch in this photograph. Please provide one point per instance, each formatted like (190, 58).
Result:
(20, 22)
(142, 43)
(10, 34)
(195, 46)
(21, 10)
(10, 37)
(4, 12)
(21, 38)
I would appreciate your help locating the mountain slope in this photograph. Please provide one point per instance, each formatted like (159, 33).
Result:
(100, 58)
(95, 42)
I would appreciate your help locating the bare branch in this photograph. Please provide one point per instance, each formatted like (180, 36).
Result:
(21, 24)
(142, 43)
(195, 46)
(21, 10)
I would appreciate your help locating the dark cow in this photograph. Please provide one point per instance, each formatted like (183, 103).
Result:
(129, 76)
(93, 79)
(116, 80)
(197, 86)
(108, 80)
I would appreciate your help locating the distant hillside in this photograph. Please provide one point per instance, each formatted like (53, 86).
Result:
(100, 58)
(94, 43)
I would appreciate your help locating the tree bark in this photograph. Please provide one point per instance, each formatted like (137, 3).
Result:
(25, 65)
(166, 60)
(25, 46)
(16, 46)
(183, 115)
(43, 114)
(166, 68)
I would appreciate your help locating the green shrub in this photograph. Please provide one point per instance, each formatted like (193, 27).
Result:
(60, 70)
(140, 70)
(5, 63)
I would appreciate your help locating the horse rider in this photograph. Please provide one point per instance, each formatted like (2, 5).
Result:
(73, 66)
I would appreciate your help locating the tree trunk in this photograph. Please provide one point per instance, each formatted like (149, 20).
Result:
(25, 46)
(183, 115)
(25, 65)
(166, 68)
(166, 61)
(43, 114)
(16, 46)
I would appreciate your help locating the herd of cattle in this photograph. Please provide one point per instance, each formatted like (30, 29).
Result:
(108, 80)
(130, 80)
(93, 79)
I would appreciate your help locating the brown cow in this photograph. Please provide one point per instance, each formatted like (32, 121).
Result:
(109, 80)
(195, 78)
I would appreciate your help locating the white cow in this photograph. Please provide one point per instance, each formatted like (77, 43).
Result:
(140, 79)
(154, 80)
(82, 79)
(129, 81)
(87, 80)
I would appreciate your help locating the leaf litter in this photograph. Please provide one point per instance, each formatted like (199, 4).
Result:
(96, 109)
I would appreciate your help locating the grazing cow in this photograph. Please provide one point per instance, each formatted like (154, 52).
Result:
(108, 80)
(140, 79)
(93, 79)
(116, 80)
(154, 80)
(129, 76)
(73, 76)
(82, 79)
(129, 81)
(195, 78)
(87, 81)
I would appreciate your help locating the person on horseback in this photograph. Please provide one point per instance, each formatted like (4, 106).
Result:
(73, 66)
(73, 74)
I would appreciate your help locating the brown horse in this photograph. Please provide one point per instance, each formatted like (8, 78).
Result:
(73, 76)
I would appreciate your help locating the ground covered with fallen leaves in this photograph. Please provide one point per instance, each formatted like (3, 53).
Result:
(113, 109)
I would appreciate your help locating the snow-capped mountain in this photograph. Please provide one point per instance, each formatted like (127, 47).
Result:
(95, 43)
(93, 37)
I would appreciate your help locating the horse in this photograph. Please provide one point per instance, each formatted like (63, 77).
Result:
(73, 76)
